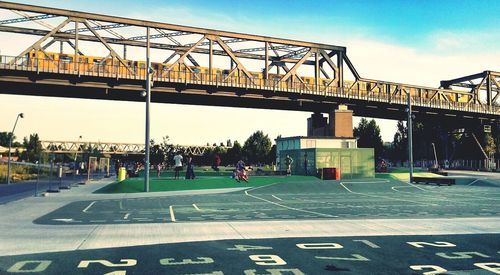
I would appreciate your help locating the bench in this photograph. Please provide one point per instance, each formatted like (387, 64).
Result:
(436, 180)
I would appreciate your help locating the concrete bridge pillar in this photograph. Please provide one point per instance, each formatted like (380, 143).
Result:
(340, 122)
(317, 125)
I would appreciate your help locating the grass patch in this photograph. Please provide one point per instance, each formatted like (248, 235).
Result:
(134, 185)
(402, 174)
(17, 172)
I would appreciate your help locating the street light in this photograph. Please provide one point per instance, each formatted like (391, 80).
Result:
(76, 155)
(149, 73)
(20, 115)
(410, 136)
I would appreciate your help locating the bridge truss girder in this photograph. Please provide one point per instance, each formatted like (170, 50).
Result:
(269, 53)
(295, 51)
(114, 148)
(487, 82)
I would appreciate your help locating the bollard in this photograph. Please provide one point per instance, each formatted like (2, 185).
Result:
(50, 179)
(60, 175)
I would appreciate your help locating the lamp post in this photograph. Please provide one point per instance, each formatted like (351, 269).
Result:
(75, 167)
(149, 73)
(20, 115)
(410, 137)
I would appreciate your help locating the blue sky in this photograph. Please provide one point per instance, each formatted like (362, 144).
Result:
(416, 42)
(404, 22)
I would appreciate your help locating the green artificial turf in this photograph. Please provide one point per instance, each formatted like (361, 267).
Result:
(133, 185)
(402, 174)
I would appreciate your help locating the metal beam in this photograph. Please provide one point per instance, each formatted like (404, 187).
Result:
(293, 70)
(295, 53)
(116, 41)
(190, 57)
(144, 23)
(266, 54)
(351, 67)
(233, 57)
(37, 44)
(111, 51)
(156, 36)
(448, 83)
(181, 58)
(27, 19)
(100, 27)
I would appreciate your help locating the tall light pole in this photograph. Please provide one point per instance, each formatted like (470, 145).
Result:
(149, 72)
(410, 137)
(20, 115)
(76, 155)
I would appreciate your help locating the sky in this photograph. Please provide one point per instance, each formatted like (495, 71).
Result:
(415, 42)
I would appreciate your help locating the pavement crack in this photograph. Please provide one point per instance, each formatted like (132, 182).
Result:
(87, 237)
(230, 225)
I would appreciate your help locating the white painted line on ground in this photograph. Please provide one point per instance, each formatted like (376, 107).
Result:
(88, 207)
(172, 216)
(380, 181)
(390, 198)
(413, 185)
(276, 198)
(341, 184)
(395, 188)
(126, 216)
(368, 243)
(255, 188)
(196, 207)
(63, 220)
(287, 207)
(474, 181)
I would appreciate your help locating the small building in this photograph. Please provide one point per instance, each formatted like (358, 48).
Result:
(313, 153)
(328, 145)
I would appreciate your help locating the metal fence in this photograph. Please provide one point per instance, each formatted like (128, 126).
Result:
(48, 174)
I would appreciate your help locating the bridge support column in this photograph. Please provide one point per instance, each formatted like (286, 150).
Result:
(317, 125)
(340, 122)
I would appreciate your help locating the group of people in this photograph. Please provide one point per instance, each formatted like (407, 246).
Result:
(239, 173)
(178, 166)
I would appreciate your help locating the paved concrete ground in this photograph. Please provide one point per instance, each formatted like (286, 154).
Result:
(19, 190)
(453, 254)
(314, 199)
(78, 225)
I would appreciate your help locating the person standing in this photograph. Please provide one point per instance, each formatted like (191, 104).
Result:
(158, 170)
(216, 163)
(288, 163)
(177, 164)
(190, 168)
(305, 162)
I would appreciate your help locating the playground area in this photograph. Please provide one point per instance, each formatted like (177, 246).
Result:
(303, 224)
(278, 198)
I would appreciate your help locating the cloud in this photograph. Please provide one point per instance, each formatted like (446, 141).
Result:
(464, 41)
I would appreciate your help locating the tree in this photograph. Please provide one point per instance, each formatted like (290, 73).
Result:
(489, 144)
(4, 138)
(233, 154)
(400, 143)
(368, 135)
(33, 148)
(156, 154)
(257, 147)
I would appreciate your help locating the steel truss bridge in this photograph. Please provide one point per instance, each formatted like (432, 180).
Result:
(210, 67)
(115, 148)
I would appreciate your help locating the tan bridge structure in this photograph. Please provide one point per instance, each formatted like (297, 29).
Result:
(217, 68)
(114, 147)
